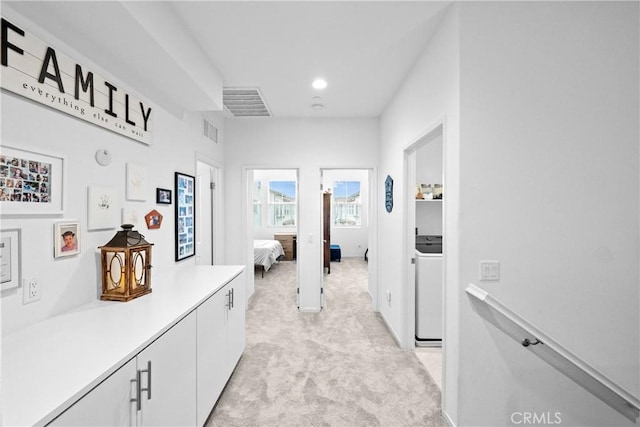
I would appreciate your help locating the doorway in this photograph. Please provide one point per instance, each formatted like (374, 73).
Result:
(271, 218)
(207, 212)
(349, 233)
(425, 195)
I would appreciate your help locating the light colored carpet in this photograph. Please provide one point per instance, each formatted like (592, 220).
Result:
(339, 367)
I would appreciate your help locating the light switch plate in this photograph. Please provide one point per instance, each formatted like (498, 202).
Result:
(489, 270)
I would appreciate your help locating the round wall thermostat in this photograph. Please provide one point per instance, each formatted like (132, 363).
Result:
(103, 157)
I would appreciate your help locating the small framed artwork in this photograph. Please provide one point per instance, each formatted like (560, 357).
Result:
(130, 216)
(185, 213)
(136, 182)
(31, 183)
(153, 219)
(163, 196)
(10, 258)
(102, 212)
(66, 237)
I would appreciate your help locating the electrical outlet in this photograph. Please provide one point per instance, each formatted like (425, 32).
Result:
(32, 290)
(490, 271)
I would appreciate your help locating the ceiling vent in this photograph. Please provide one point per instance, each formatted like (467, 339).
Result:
(245, 102)
(210, 131)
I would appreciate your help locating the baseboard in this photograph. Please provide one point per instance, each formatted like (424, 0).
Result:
(391, 331)
(448, 419)
(309, 309)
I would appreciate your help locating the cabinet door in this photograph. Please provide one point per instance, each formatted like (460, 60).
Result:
(173, 377)
(211, 351)
(108, 404)
(236, 322)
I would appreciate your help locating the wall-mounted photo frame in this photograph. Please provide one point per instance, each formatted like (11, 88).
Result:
(10, 258)
(102, 209)
(136, 182)
(66, 238)
(153, 219)
(185, 214)
(130, 216)
(163, 196)
(31, 183)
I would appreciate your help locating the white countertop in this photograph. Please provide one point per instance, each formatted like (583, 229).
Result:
(48, 366)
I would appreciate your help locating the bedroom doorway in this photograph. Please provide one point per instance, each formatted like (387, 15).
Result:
(347, 224)
(272, 221)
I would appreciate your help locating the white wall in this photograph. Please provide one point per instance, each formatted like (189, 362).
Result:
(428, 97)
(549, 122)
(72, 281)
(305, 145)
(353, 241)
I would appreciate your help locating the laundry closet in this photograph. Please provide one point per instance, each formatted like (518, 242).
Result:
(429, 195)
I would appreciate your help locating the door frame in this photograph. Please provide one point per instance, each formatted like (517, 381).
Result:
(433, 132)
(372, 236)
(216, 203)
(246, 222)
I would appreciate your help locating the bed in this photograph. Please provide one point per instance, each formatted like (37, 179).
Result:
(266, 253)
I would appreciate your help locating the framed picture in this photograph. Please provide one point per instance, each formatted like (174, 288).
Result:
(66, 237)
(136, 182)
(163, 196)
(130, 216)
(31, 183)
(185, 216)
(153, 219)
(10, 258)
(102, 212)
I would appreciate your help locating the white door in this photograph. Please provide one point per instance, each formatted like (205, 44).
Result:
(212, 351)
(206, 212)
(109, 404)
(236, 322)
(171, 400)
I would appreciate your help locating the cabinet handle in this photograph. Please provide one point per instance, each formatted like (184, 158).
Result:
(140, 388)
(227, 302)
(232, 299)
(137, 398)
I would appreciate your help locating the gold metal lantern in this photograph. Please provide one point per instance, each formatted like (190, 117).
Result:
(126, 266)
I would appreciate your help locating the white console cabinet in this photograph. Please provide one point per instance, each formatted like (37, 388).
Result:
(109, 403)
(221, 341)
(147, 362)
(161, 378)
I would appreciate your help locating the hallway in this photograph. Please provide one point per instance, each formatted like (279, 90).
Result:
(339, 367)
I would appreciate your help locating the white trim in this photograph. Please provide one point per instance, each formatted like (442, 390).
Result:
(395, 337)
(309, 310)
(447, 418)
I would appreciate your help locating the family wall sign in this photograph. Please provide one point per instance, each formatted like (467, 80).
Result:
(33, 69)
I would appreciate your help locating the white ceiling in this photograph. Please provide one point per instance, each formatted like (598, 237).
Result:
(175, 52)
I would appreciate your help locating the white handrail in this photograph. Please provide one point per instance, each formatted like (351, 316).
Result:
(554, 353)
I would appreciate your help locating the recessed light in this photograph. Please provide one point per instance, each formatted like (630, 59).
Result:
(319, 84)
(317, 106)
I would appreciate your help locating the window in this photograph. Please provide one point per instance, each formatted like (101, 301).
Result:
(282, 203)
(347, 204)
(257, 203)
